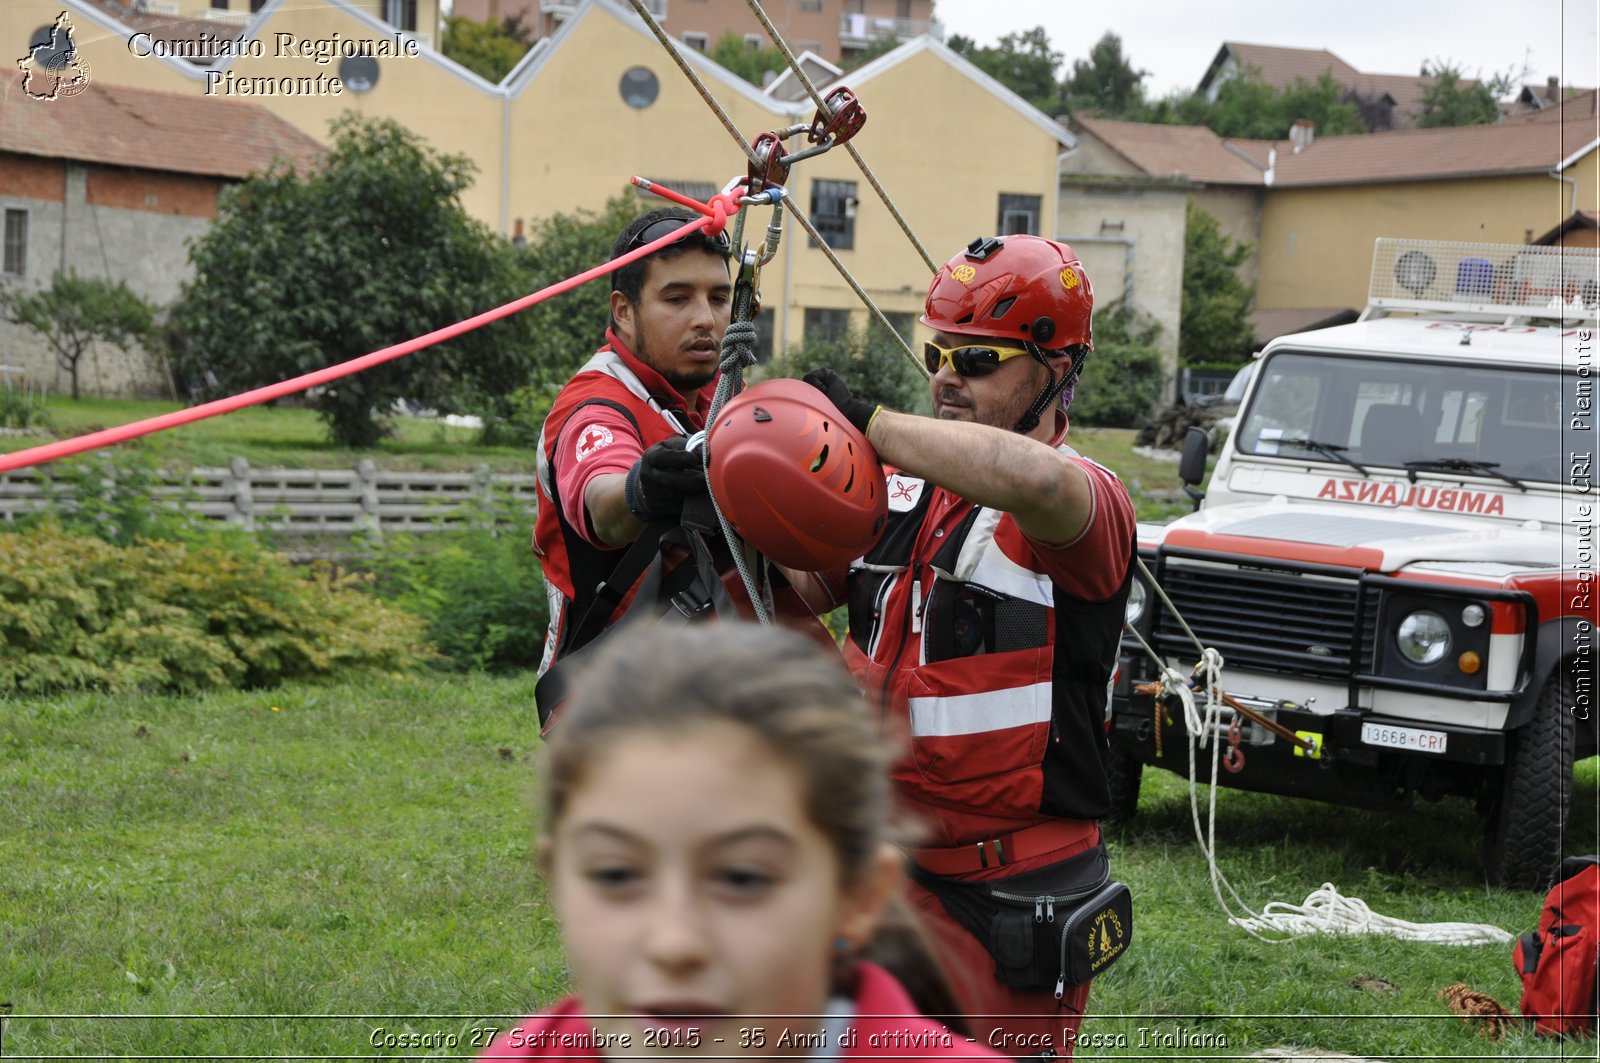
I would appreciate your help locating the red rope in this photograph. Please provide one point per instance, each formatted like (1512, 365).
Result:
(720, 208)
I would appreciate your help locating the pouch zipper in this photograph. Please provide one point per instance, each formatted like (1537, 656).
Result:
(1044, 911)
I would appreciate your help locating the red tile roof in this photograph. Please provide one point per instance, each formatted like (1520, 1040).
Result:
(1583, 105)
(1280, 66)
(120, 126)
(1191, 152)
(1434, 154)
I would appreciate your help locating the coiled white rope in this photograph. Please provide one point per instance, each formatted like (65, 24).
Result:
(1327, 911)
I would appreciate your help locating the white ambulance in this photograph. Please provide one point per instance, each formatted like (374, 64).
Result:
(1395, 557)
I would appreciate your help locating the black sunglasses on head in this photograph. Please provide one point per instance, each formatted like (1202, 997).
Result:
(661, 227)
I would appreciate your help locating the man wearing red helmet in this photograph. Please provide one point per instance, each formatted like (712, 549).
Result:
(987, 619)
(614, 473)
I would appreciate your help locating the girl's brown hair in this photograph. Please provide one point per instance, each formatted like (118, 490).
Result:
(801, 702)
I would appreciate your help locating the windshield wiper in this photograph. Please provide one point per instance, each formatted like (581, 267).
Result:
(1487, 468)
(1328, 450)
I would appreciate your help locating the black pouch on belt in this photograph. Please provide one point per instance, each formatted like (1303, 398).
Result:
(1049, 928)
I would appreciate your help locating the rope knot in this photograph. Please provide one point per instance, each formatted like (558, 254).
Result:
(738, 347)
(723, 206)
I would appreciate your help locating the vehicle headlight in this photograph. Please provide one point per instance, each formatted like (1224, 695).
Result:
(1137, 597)
(1423, 637)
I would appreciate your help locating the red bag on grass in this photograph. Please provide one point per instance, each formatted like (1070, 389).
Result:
(1558, 964)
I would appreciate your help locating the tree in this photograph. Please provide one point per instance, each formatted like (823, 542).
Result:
(1023, 62)
(1107, 82)
(1213, 323)
(1447, 102)
(1323, 102)
(302, 272)
(871, 361)
(489, 49)
(1246, 106)
(751, 62)
(879, 46)
(1123, 379)
(75, 311)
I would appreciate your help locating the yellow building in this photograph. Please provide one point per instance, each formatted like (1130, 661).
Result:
(1327, 203)
(601, 100)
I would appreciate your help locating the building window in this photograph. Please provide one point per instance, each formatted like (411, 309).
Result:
(826, 326)
(402, 14)
(698, 41)
(754, 41)
(812, 6)
(902, 10)
(1018, 214)
(219, 5)
(833, 212)
(901, 322)
(15, 259)
(257, 5)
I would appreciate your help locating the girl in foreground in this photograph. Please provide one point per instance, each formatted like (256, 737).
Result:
(715, 844)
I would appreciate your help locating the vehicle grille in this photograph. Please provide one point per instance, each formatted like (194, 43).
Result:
(1269, 620)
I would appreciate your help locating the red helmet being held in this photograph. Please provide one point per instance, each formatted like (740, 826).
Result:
(794, 477)
(1014, 287)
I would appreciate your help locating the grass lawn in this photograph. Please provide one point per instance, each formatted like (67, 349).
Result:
(356, 859)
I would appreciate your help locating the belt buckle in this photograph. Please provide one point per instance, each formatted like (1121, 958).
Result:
(983, 852)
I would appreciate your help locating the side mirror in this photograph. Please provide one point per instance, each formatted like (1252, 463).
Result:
(1192, 466)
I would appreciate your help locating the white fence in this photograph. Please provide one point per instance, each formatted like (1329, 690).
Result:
(312, 501)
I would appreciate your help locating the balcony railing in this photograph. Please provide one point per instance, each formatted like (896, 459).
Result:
(856, 30)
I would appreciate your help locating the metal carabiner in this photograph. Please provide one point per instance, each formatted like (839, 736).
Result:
(1233, 756)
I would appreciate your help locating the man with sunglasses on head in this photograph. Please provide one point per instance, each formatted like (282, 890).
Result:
(987, 619)
(614, 470)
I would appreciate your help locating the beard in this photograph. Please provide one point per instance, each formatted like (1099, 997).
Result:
(686, 379)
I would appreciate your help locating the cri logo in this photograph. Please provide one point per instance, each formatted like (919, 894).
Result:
(964, 274)
(1069, 279)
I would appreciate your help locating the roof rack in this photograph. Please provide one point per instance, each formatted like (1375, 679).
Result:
(1518, 282)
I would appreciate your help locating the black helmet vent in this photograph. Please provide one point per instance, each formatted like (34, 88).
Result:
(1003, 307)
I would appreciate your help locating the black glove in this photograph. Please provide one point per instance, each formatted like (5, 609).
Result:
(661, 480)
(858, 412)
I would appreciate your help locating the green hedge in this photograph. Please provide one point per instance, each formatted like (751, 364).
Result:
(77, 612)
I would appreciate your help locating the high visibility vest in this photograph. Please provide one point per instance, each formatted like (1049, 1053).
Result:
(999, 678)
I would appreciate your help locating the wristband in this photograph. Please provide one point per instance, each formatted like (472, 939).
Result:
(633, 494)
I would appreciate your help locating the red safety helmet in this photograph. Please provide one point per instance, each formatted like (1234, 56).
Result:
(794, 477)
(1014, 287)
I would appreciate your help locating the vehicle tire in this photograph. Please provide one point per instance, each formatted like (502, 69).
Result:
(1522, 845)
(1124, 773)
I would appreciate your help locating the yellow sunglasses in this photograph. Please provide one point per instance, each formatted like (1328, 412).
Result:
(967, 360)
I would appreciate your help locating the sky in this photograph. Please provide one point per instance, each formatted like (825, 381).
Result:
(1175, 40)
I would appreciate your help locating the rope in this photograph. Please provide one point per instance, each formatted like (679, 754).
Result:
(738, 354)
(717, 212)
(1327, 911)
(866, 171)
(705, 94)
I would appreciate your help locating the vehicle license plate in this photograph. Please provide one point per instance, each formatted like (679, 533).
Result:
(1382, 734)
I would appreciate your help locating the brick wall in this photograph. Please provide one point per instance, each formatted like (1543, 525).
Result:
(161, 193)
(27, 177)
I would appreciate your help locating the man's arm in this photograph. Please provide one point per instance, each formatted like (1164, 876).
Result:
(1045, 492)
(606, 500)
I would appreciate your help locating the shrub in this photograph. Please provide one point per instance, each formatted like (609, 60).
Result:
(22, 407)
(77, 612)
(478, 590)
(1123, 379)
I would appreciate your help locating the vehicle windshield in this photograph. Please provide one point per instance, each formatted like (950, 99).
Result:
(1338, 410)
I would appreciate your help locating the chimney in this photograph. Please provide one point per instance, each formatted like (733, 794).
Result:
(517, 237)
(1552, 89)
(1302, 133)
